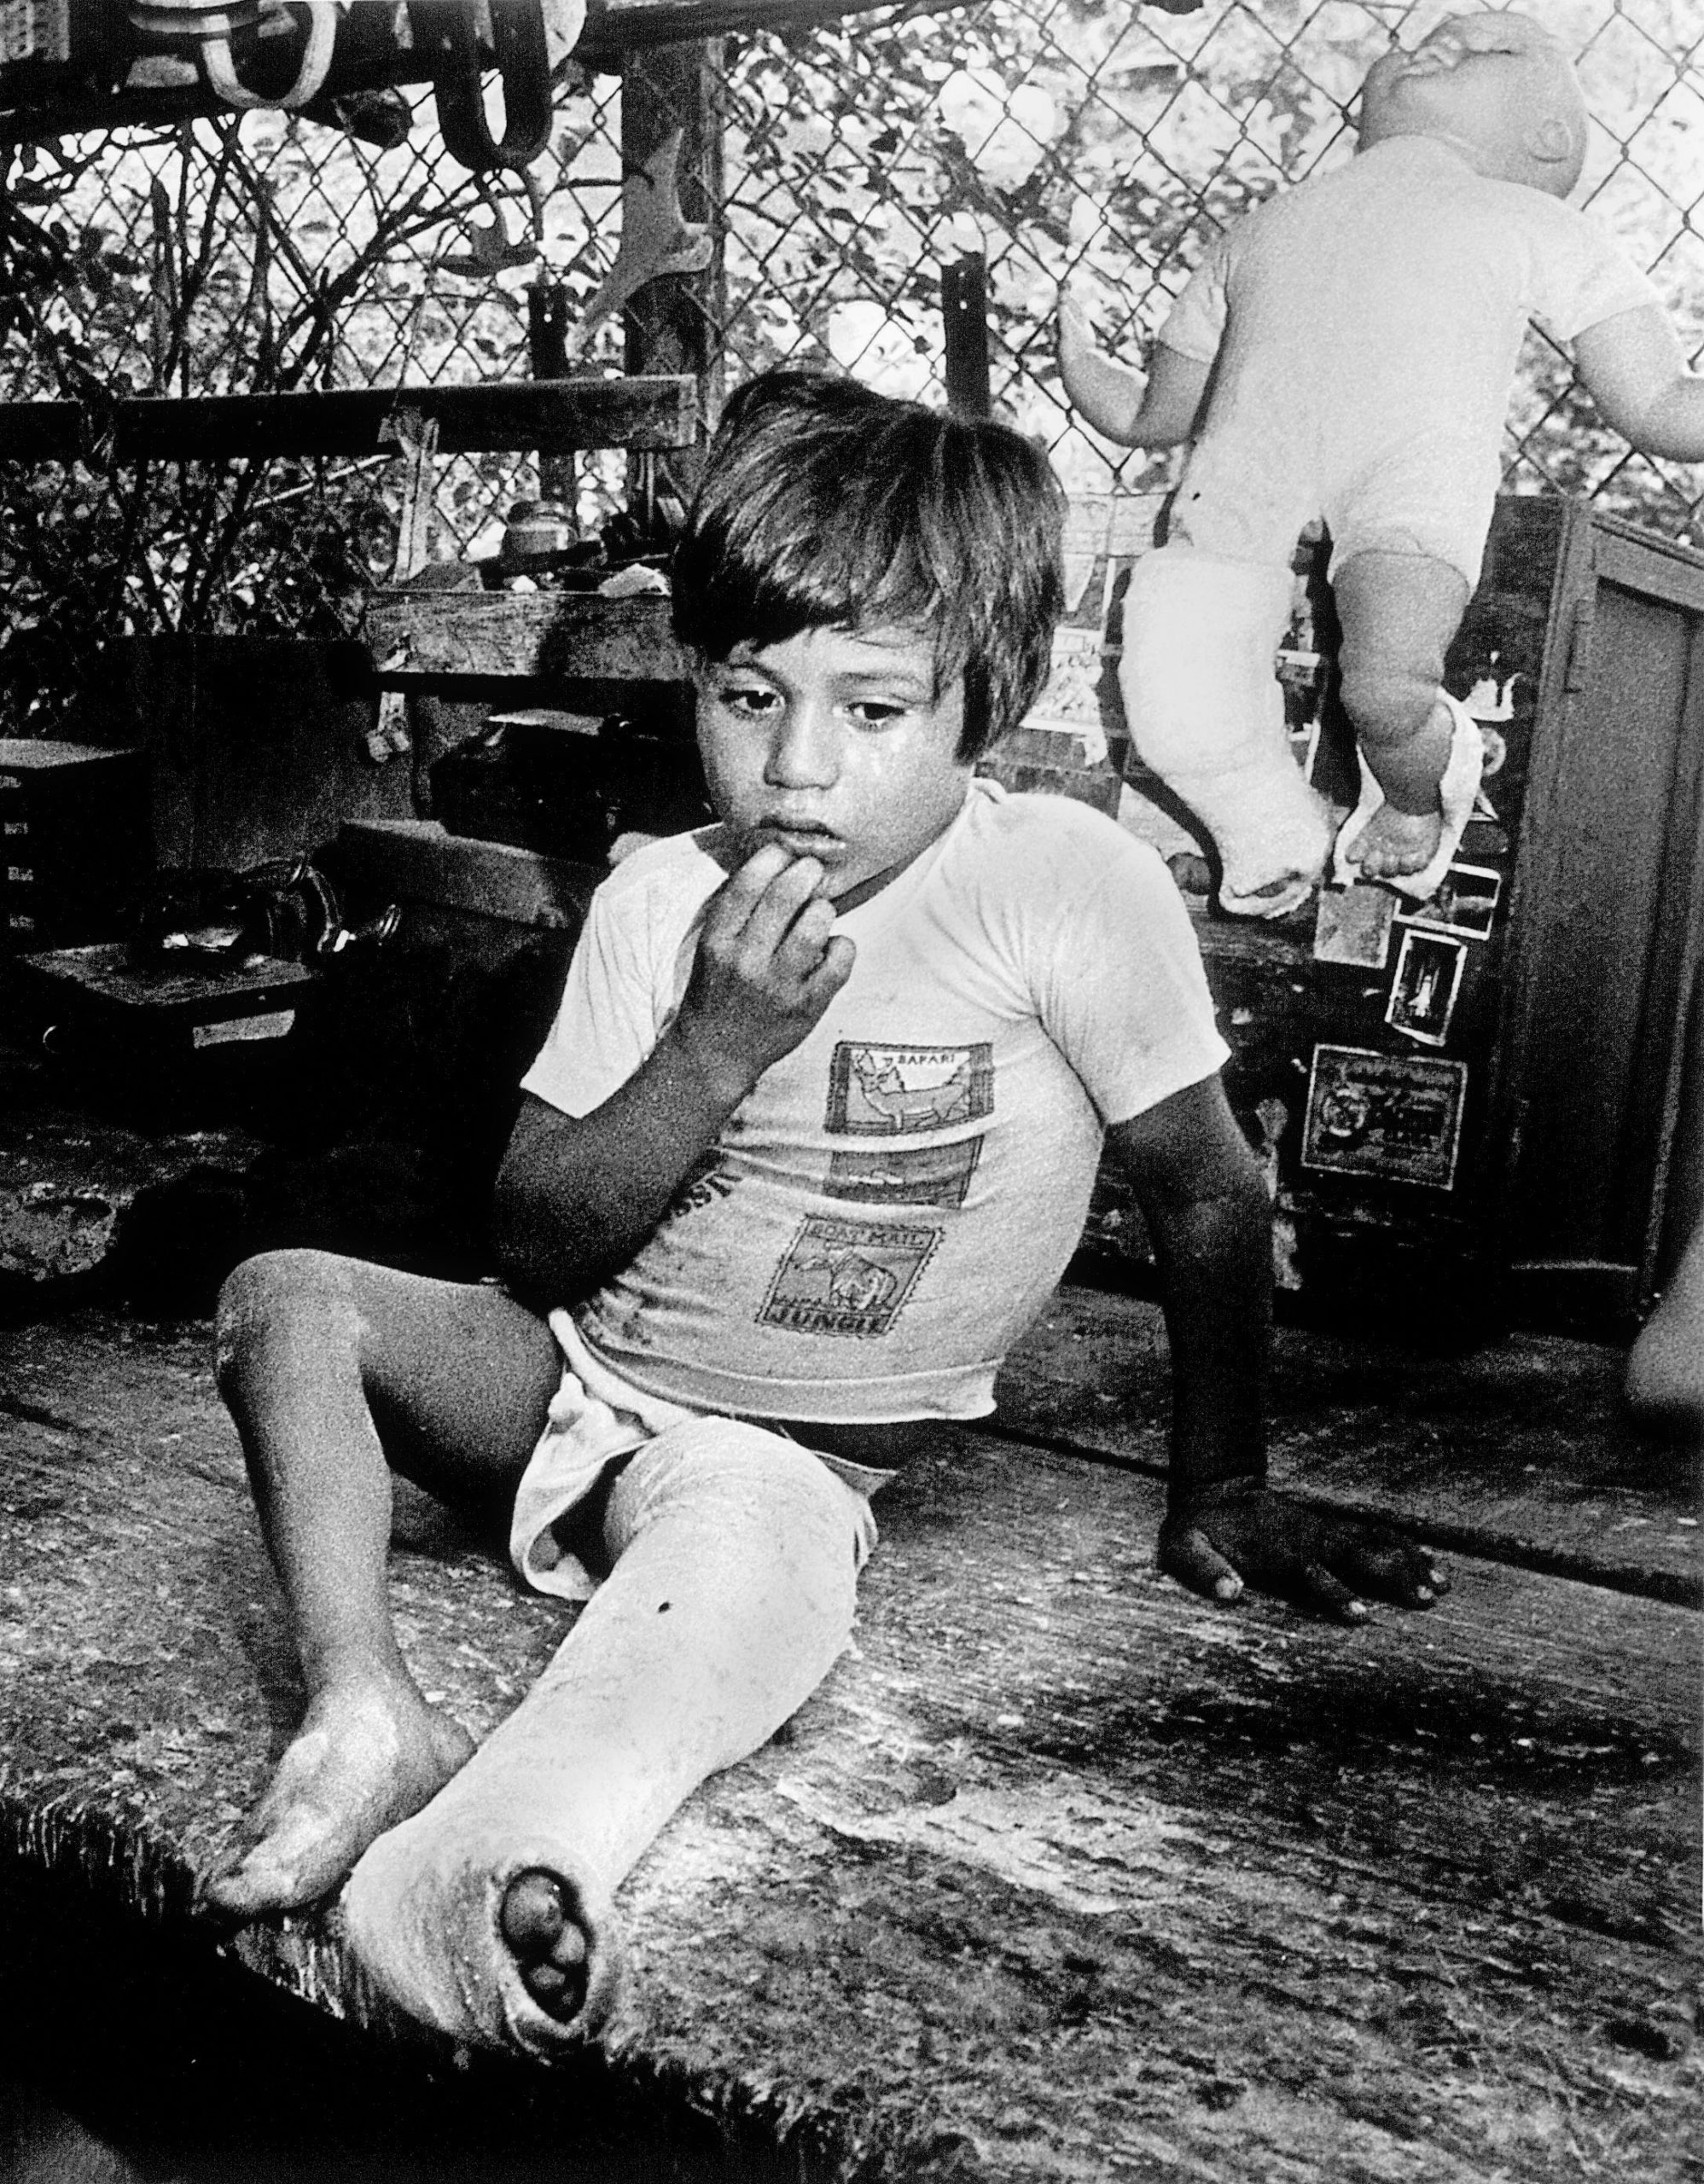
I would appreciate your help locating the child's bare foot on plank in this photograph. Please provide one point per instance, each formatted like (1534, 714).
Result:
(366, 1756)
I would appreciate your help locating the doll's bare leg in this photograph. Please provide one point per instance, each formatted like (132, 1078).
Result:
(317, 1355)
(733, 1582)
(1399, 613)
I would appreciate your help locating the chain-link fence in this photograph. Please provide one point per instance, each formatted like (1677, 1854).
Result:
(1091, 139)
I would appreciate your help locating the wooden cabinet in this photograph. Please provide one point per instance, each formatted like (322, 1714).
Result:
(1475, 1105)
(1606, 922)
(70, 852)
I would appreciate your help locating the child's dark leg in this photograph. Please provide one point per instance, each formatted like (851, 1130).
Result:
(316, 1355)
(1399, 613)
(735, 1557)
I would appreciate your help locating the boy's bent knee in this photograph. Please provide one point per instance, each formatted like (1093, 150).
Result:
(260, 1298)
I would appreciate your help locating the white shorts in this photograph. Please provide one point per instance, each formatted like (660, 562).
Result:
(596, 1417)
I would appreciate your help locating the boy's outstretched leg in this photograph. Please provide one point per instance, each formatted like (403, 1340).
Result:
(1399, 613)
(735, 1557)
(318, 1357)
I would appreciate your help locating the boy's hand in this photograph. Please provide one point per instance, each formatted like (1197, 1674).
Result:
(1239, 1533)
(766, 969)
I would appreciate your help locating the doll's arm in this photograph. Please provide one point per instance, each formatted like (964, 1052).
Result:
(1634, 369)
(1159, 411)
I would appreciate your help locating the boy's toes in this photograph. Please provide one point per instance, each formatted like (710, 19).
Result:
(547, 1942)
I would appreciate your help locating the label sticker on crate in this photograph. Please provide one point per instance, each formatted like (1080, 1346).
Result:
(1465, 903)
(1396, 1116)
(1352, 925)
(273, 1023)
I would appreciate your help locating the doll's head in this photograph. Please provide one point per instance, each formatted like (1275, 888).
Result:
(1497, 87)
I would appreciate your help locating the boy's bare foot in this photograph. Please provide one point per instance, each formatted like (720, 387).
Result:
(365, 1758)
(1393, 842)
(549, 1945)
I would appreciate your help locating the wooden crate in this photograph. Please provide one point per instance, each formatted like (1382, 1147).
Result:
(71, 852)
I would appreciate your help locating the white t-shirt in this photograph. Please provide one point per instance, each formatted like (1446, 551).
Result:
(894, 1203)
(1369, 313)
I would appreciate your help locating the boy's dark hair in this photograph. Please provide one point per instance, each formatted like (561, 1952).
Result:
(825, 505)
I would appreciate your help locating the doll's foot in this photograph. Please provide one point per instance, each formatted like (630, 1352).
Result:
(1394, 844)
(366, 1756)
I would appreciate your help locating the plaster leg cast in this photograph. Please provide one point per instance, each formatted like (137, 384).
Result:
(1206, 710)
(735, 1557)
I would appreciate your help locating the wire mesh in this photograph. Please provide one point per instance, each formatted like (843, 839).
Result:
(1084, 139)
(1107, 144)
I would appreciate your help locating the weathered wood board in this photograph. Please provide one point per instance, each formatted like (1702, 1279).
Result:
(420, 638)
(66, 1179)
(1519, 1450)
(1063, 1875)
(654, 411)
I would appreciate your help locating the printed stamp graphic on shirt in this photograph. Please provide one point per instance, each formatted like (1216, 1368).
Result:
(888, 1091)
(914, 1175)
(1396, 1115)
(847, 1277)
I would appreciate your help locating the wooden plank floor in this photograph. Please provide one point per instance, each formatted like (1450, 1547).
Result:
(1063, 1875)
(1518, 1449)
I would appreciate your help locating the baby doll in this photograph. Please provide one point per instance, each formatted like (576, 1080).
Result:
(1345, 350)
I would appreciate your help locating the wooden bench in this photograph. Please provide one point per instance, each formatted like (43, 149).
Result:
(1063, 1874)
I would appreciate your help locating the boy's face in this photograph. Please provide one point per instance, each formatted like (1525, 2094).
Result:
(835, 746)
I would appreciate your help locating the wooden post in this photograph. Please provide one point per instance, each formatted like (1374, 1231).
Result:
(547, 326)
(964, 315)
(674, 324)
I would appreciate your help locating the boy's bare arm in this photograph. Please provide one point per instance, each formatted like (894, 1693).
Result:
(1205, 1202)
(577, 1195)
(1635, 370)
(1204, 1199)
(1158, 411)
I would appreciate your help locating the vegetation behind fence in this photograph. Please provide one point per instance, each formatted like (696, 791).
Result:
(1087, 138)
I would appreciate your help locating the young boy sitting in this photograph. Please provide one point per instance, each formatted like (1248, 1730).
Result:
(809, 1146)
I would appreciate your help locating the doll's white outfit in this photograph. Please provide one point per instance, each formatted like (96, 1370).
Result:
(884, 1215)
(1363, 328)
